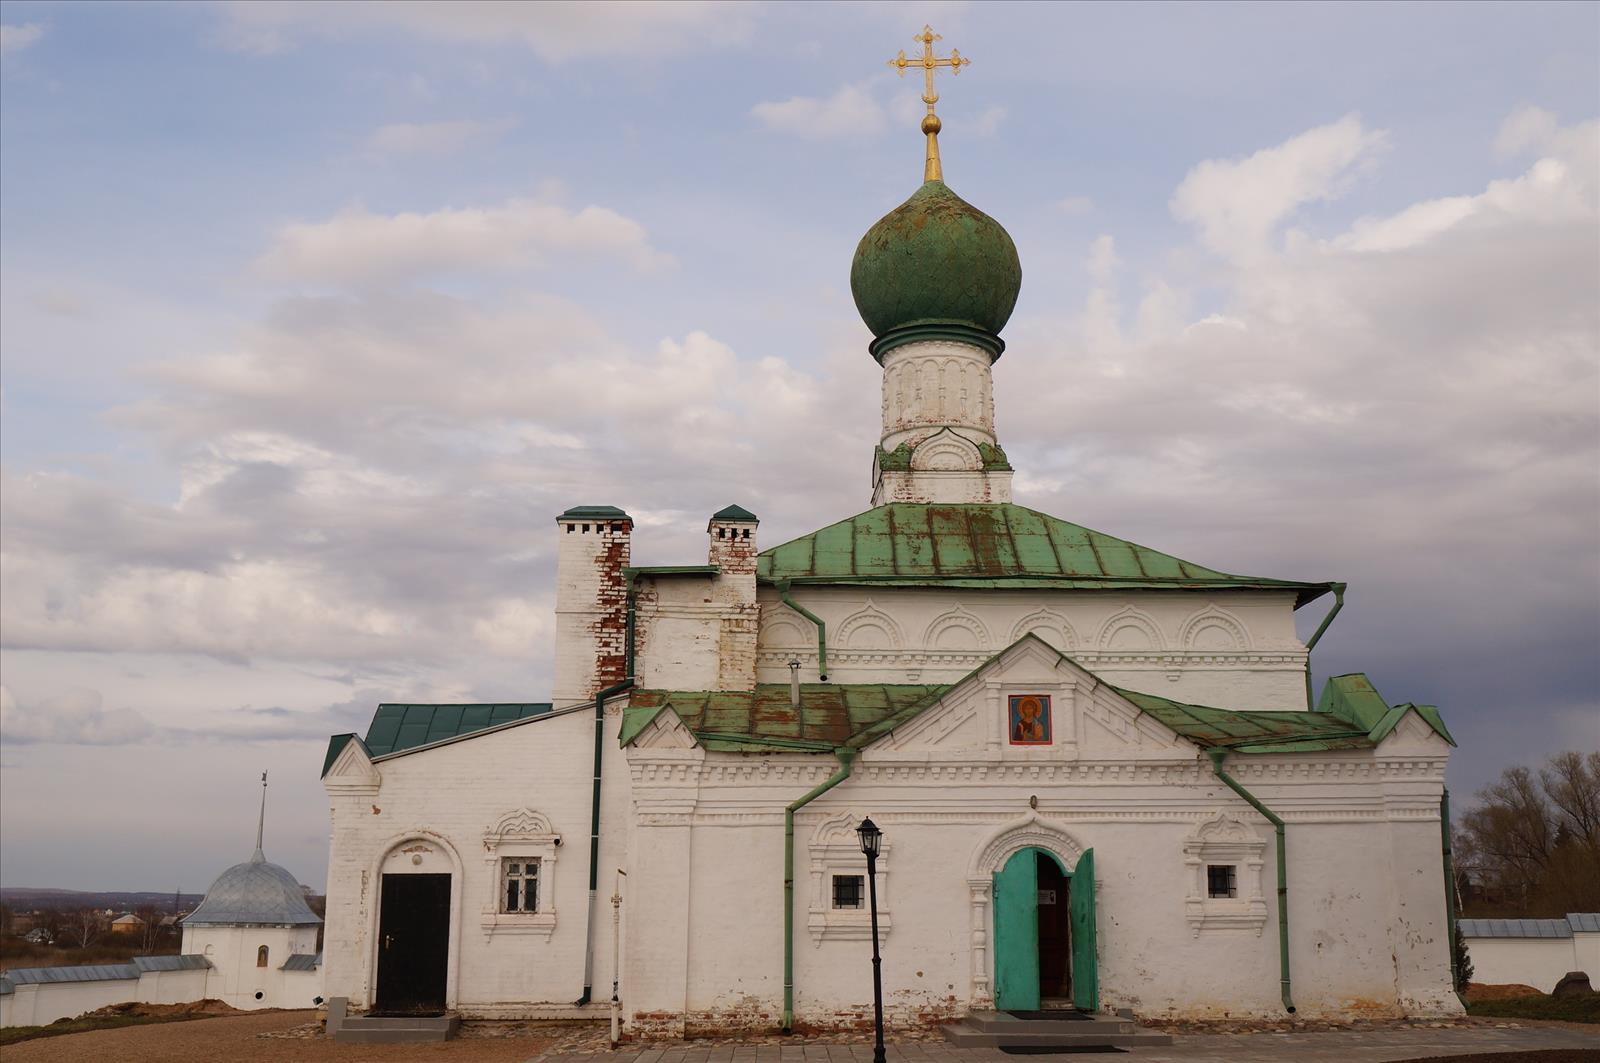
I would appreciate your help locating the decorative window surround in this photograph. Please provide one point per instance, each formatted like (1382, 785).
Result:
(520, 835)
(836, 850)
(1224, 840)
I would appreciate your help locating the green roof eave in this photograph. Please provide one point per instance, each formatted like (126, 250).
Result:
(403, 728)
(657, 571)
(736, 513)
(1305, 593)
(594, 513)
(635, 720)
(1354, 699)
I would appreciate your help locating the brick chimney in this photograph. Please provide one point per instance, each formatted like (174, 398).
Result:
(591, 602)
(733, 550)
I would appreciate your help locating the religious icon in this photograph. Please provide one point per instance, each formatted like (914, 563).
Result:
(1030, 719)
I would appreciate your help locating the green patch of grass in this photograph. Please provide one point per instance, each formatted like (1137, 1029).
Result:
(10, 1035)
(1564, 1009)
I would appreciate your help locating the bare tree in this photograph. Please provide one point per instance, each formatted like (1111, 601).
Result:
(1535, 838)
(82, 927)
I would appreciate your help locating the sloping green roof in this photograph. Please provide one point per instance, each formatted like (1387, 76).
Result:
(989, 545)
(593, 513)
(396, 728)
(735, 513)
(1354, 698)
(336, 744)
(831, 714)
(1291, 731)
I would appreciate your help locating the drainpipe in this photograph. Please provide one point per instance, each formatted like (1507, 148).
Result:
(594, 815)
(822, 628)
(1217, 756)
(1451, 920)
(1338, 604)
(846, 760)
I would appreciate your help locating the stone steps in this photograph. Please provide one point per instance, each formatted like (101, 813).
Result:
(997, 1029)
(388, 1029)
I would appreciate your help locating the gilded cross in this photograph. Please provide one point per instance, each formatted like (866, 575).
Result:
(929, 63)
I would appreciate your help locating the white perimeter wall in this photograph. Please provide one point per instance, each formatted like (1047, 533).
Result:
(44, 1003)
(1539, 962)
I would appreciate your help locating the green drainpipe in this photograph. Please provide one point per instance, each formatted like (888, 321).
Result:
(846, 760)
(1217, 756)
(594, 814)
(1451, 920)
(822, 628)
(1338, 604)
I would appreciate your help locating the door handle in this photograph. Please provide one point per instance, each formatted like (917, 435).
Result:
(388, 940)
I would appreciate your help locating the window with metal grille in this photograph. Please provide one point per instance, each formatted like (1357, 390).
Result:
(1222, 880)
(849, 890)
(520, 884)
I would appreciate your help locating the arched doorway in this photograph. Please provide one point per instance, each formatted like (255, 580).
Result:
(415, 946)
(1044, 932)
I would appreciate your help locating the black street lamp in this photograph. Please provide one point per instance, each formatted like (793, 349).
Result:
(871, 839)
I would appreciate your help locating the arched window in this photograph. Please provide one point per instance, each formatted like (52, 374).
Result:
(261, 956)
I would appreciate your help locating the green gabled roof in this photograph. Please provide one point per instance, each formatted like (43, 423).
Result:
(763, 720)
(396, 728)
(738, 513)
(989, 545)
(336, 744)
(594, 513)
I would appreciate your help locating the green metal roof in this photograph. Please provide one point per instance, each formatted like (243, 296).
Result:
(989, 545)
(1291, 731)
(396, 728)
(735, 513)
(336, 745)
(1354, 698)
(594, 513)
(831, 714)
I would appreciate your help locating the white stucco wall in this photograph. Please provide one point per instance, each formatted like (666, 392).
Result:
(1235, 649)
(235, 978)
(1539, 962)
(38, 1004)
(437, 805)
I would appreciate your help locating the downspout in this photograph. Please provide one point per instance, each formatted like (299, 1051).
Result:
(1338, 604)
(846, 760)
(822, 628)
(1217, 756)
(594, 815)
(1451, 920)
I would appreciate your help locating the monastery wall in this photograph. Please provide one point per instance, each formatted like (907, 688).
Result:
(459, 809)
(1233, 649)
(235, 977)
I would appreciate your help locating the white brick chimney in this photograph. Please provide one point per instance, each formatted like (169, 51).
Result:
(591, 602)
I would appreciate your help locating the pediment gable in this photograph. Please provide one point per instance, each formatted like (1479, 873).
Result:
(666, 730)
(1031, 702)
(350, 768)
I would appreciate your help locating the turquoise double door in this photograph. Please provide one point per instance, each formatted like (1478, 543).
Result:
(1018, 944)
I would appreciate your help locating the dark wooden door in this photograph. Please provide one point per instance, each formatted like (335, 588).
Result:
(1054, 946)
(413, 944)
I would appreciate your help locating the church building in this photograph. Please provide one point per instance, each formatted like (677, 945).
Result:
(1102, 779)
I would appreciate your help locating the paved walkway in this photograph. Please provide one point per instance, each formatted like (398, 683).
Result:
(1331, 1047)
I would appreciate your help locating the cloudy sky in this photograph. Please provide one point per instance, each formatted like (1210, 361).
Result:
(312, 318)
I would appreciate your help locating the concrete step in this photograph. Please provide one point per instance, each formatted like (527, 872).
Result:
(989, 1029)
(396, 1029)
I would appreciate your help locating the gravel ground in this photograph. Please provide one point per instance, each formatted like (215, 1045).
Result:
(273, 1037)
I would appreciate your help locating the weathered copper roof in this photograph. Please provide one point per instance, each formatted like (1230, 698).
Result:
(989, 545)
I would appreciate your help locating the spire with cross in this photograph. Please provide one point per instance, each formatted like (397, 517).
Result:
(261, 822)
(929, 63)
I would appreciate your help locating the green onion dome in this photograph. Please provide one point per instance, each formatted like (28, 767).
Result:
(936, 267)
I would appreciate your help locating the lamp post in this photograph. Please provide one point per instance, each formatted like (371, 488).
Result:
(871, 839)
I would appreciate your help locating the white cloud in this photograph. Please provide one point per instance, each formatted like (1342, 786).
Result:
(434, 138)
(358, 247)
(1238, 204)
(554, 31)
(850, 112)
(1525, 128)
(15, 37)
(76, 716)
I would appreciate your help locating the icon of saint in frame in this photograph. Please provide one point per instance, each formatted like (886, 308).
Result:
(1030, 719)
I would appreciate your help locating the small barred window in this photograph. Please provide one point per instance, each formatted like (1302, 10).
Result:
(848, 891)
(1222, 880)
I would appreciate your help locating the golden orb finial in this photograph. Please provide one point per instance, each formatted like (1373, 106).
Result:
(931, 125)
